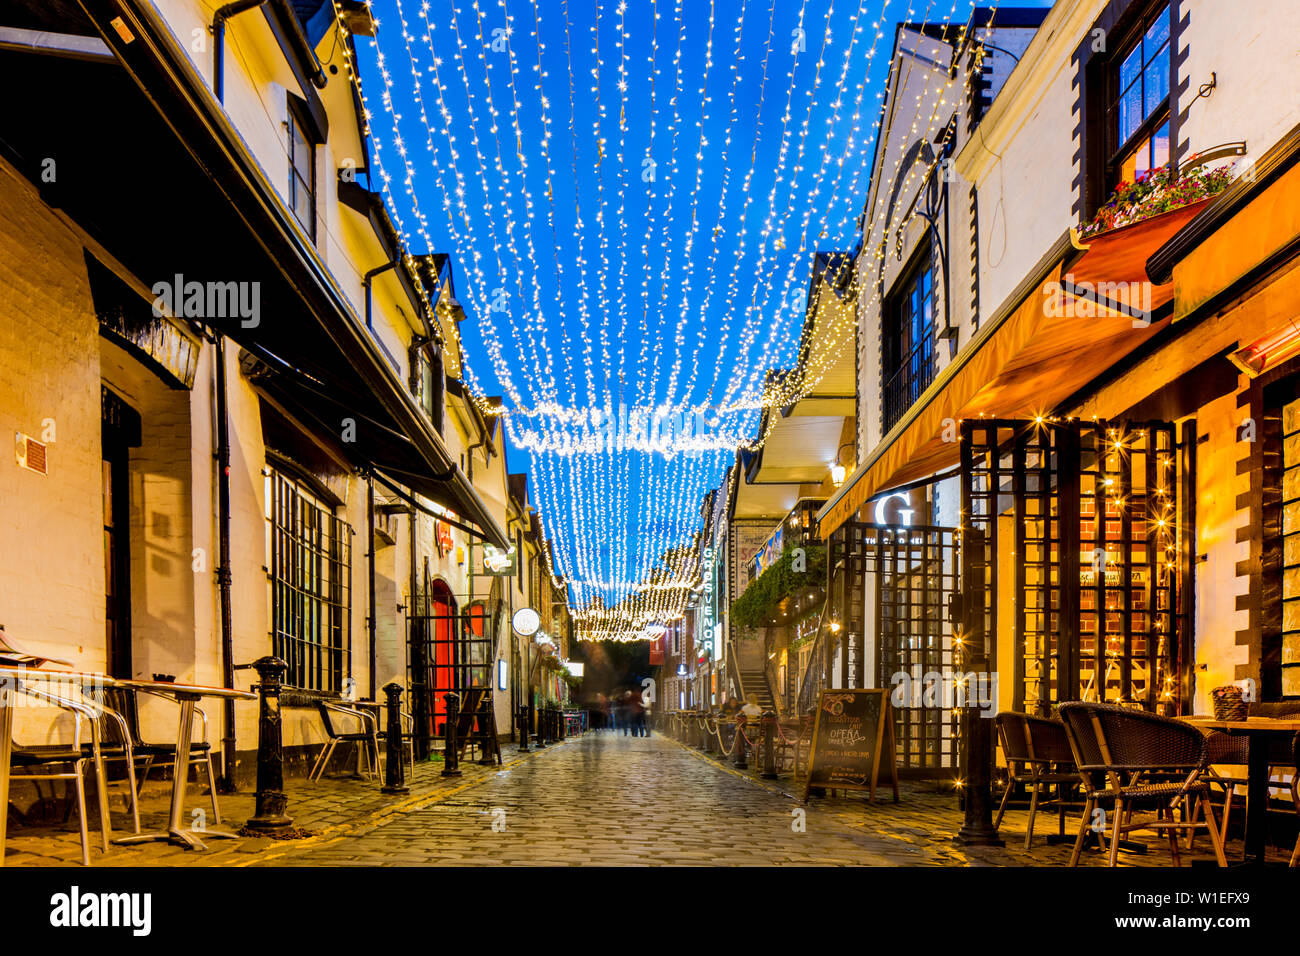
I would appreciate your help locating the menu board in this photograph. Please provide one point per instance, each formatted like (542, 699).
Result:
(853, 735)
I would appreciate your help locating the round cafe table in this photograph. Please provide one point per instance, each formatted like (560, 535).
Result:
(187, 695)
(1261, 732)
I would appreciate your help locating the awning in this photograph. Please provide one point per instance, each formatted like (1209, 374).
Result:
(1243, 235)
(1077, 314)
(212, 216)
(370, 443)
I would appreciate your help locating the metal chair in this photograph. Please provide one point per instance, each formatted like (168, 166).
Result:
(1038, 754)
(367, 733)
(80, 757)
(123, 703)
(1113, 746)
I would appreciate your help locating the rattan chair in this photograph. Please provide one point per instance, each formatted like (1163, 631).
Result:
(1113, 747)
(1038, 754)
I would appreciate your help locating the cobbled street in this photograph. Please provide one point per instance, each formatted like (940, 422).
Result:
(613, 800)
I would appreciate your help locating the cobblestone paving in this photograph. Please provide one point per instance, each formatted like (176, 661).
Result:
(614, 801)
(596, 800)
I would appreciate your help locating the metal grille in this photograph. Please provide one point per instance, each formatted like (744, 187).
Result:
(1084, 515)
(309, 566)
(908, 577)
(1128, 518)
(450, 651)
(916, 575)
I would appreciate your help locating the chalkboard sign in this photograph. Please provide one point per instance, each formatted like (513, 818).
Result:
(853, 735)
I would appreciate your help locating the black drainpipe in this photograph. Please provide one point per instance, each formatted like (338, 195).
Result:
(223, 563)
(365, 284)
(219, 41)
(370, 626)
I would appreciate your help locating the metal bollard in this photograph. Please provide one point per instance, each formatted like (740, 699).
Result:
(741, 764)
(271, 800)
(395, 772)
(451, 746)
(521, 719)
(769, 746)
(535, 723)
(708, 740)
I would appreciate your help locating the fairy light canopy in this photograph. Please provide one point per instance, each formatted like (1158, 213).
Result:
(633, 195)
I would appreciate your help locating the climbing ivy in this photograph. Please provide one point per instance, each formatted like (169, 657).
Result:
(756, 605)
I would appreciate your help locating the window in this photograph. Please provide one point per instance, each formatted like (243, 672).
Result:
(309, 569)
(302, 173)
(427, 381)
(1139, 107)
(907, 360)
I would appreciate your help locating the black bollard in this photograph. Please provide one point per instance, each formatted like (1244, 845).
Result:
(535, 725)
(769, 746)
(708, 739)
(395, 772)
(521, 718)
(271, 800)
(451, 746)
(741, 764)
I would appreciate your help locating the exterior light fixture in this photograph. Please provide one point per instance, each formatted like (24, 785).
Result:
(837, 474)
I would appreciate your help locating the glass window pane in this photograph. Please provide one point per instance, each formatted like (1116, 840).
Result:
(1130, 68)
(1141, 158)
(1160, 146)
(1155, 80)
(1157, 35)
(1130, 111)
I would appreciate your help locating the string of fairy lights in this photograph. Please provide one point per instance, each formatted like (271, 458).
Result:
(627, 431)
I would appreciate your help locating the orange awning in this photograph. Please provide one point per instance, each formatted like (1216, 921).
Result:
(1070, 328)
(1266, 225)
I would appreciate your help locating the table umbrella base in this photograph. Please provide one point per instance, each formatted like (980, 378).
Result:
(177, 837)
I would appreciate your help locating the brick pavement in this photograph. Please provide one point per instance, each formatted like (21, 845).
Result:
(597, 800)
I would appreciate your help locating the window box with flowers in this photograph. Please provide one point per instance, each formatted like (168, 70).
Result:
(1157, 191)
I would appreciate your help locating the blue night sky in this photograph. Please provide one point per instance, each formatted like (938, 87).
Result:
(631, 223)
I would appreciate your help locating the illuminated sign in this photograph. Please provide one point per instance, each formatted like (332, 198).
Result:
(526, 622)
(503, 673)
(708, 605)
(904, 513)
(498, 562)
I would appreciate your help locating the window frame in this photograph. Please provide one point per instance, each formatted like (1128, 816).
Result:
(920, 264)
(1118, 150)
(297, 123)
(309, 579)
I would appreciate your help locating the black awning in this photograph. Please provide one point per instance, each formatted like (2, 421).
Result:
(330, 408)
(180, 198)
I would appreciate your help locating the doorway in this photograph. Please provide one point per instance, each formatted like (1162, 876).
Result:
(120, 432)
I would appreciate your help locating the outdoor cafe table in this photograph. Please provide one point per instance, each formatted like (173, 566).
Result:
(186, 695)
(1261, 731)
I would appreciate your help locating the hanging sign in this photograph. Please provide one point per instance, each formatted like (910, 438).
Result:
(496, 561)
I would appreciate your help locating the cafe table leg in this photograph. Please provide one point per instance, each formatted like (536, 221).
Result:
(1257, 790)
(177, 833)
(6, 744)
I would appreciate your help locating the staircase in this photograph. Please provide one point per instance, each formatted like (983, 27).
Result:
(755, 682)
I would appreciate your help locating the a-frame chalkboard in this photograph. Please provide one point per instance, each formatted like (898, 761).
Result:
(852, 738)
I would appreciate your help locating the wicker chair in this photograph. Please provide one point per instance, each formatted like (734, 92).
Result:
(1295, 792)
(1113, 747)
(1038, 754)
